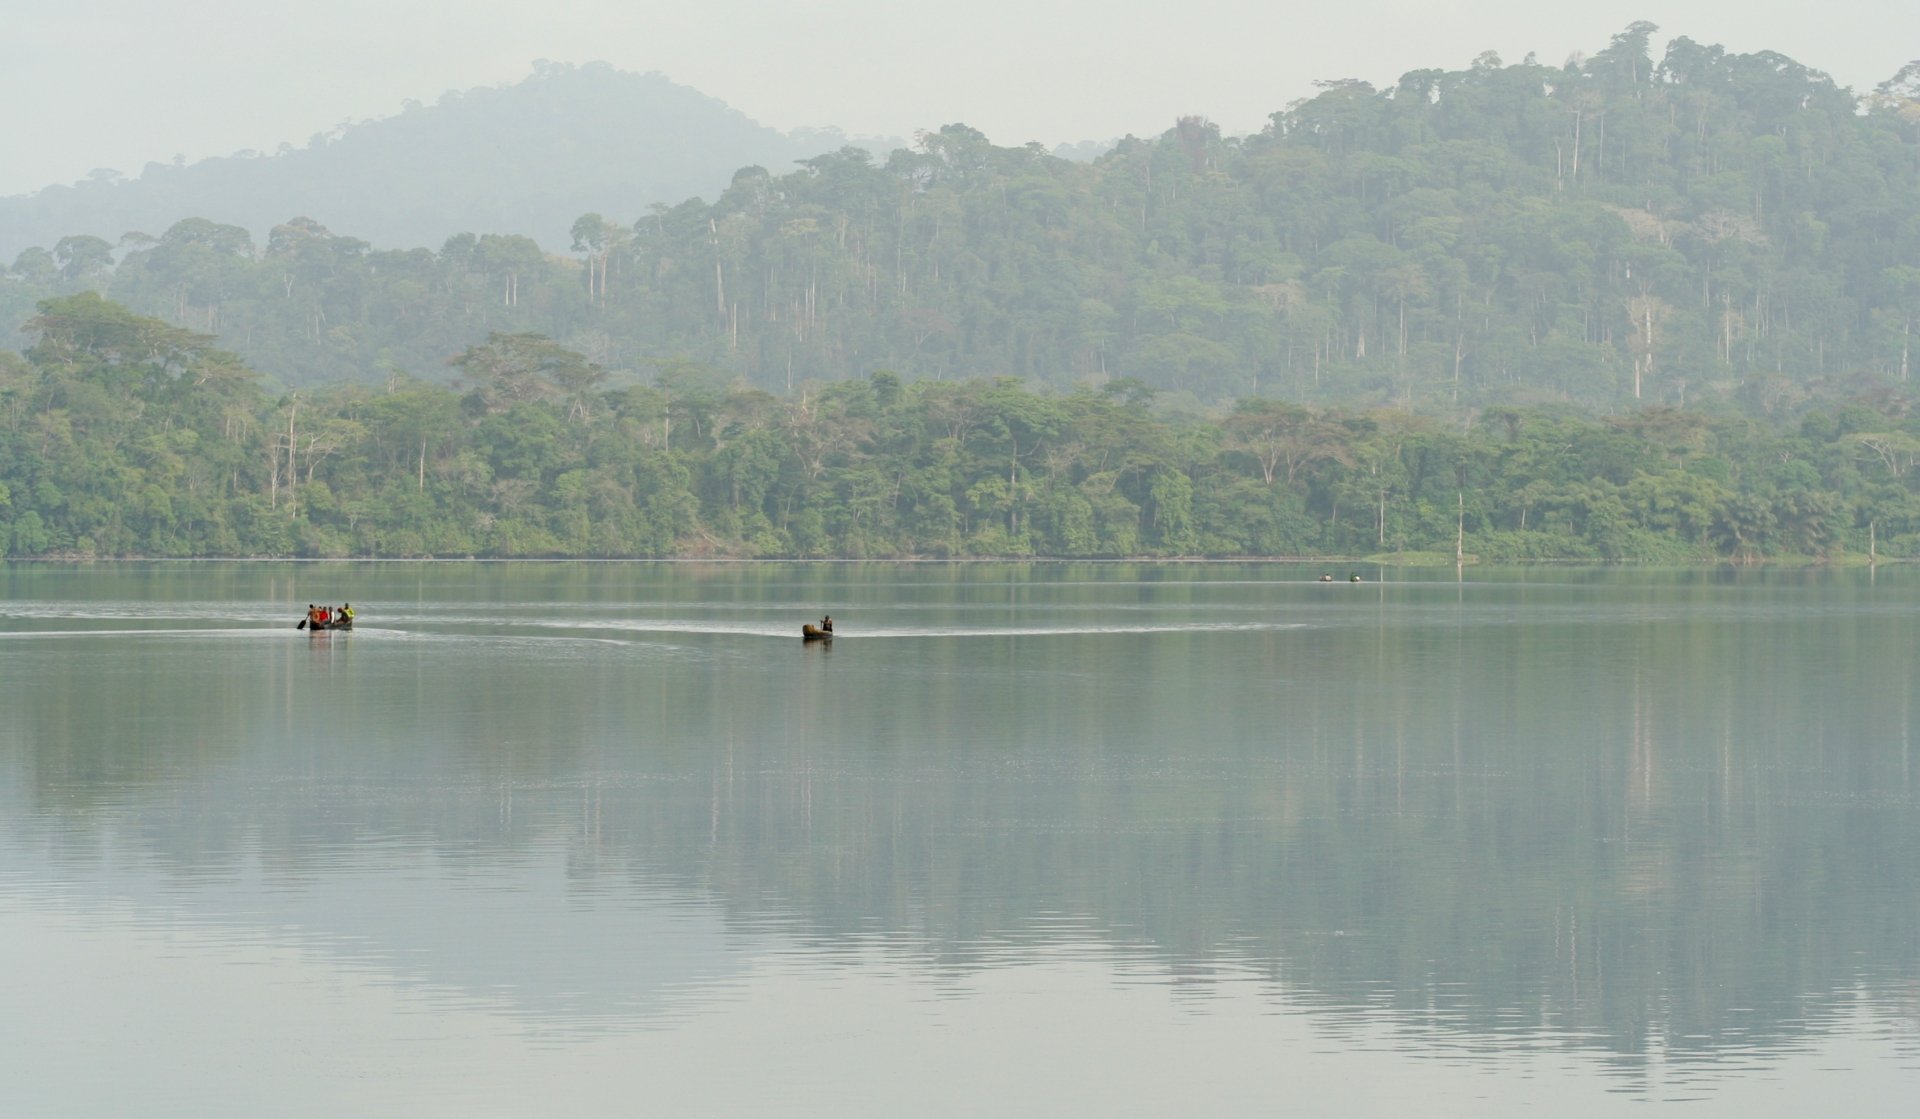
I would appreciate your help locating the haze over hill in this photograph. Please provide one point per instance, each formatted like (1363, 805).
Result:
(526, 158)
(1627, 226)
(118, 83)
(1372, 326)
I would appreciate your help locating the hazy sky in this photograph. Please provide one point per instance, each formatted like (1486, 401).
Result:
(117, 83)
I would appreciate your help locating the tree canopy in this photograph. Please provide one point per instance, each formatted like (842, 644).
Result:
(1615, 231)
(1621, 308)
(124, 435)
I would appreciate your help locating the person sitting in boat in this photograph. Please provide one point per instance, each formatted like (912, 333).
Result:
(314, 617)
(826, 622)
(346, 613)
(326, 615)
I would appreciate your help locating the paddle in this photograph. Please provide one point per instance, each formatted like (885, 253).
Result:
(302, 625)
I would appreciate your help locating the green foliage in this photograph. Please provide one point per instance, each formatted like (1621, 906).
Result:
(122, 435)
(1706, 228)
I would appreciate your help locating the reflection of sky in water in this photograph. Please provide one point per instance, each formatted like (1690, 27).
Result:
(528, 937)
(1134, 847)
(278, 1027)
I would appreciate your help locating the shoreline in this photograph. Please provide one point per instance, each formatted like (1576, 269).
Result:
(1391, 560)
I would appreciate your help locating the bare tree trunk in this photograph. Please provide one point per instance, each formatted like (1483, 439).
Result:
(1013, 480)
(1459, 355)
(1459, 529)
(293, 409)
(719, 281)
(1907, 333)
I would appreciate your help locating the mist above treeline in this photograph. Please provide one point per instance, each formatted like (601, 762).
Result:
(1619, 230)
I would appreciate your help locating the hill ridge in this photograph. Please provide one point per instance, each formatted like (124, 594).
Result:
(526, 157)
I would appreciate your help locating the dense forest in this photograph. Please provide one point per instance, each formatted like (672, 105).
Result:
(1610, 232)
(125, 435)
(1616, 309)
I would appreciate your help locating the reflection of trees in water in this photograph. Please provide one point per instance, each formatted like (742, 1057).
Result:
(1684, 837)
(1484, 926)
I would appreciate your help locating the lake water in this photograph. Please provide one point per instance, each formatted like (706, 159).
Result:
(543, 839)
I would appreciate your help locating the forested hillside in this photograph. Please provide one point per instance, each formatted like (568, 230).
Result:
(526, 158)
(122, 435)
(1615, 310)
(1617, 230)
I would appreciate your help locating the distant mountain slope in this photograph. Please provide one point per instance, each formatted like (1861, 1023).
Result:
(1708, 227)
(527, 158)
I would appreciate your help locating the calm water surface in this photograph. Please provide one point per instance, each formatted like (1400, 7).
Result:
(1024, 840)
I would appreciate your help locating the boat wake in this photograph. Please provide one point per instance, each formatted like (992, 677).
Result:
(146, 631)
(698, 627)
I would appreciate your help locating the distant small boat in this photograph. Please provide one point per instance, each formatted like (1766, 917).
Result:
(322, 627)
(811, 632)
